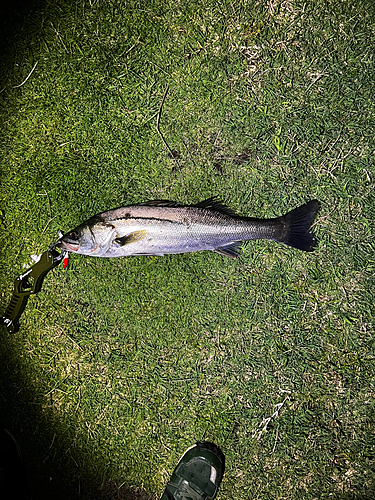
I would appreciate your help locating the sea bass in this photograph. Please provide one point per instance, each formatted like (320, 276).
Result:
(164, 227)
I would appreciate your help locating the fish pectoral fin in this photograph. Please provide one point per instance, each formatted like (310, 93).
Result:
(130, 238)
(230, 250)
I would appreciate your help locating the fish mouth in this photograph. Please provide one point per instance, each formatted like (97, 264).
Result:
(72, 247)
(65, 245)
(94, 249)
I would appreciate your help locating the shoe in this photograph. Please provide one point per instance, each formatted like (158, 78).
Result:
(198, 474)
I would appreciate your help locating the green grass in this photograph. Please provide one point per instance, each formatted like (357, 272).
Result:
(121, 364)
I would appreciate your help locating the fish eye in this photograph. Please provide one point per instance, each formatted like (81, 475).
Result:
(74, 235)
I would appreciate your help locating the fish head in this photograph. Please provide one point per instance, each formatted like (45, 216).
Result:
(91, 238)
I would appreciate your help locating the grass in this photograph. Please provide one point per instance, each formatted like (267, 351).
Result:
(121, 364)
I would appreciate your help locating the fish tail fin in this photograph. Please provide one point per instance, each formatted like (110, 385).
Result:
(297, 226)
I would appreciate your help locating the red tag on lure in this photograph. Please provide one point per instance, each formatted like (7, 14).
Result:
(65, 262)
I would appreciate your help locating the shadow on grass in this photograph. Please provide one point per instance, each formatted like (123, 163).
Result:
(55, 468)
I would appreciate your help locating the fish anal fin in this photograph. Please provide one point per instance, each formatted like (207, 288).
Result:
(230, 250)
(130, 238)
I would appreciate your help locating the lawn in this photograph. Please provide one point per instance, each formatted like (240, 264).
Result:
(121, 364)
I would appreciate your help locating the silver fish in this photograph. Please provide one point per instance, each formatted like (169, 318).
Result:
(164, 227)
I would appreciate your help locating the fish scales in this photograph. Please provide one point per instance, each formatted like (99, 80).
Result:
(186, 229)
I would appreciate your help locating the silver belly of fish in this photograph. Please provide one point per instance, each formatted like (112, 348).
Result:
(163, 237)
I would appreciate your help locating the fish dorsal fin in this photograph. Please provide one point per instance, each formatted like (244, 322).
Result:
(209, 204)
(216, 205)
(230, 250)
(160, 203)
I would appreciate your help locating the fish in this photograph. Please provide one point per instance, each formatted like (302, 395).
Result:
(165, 227)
